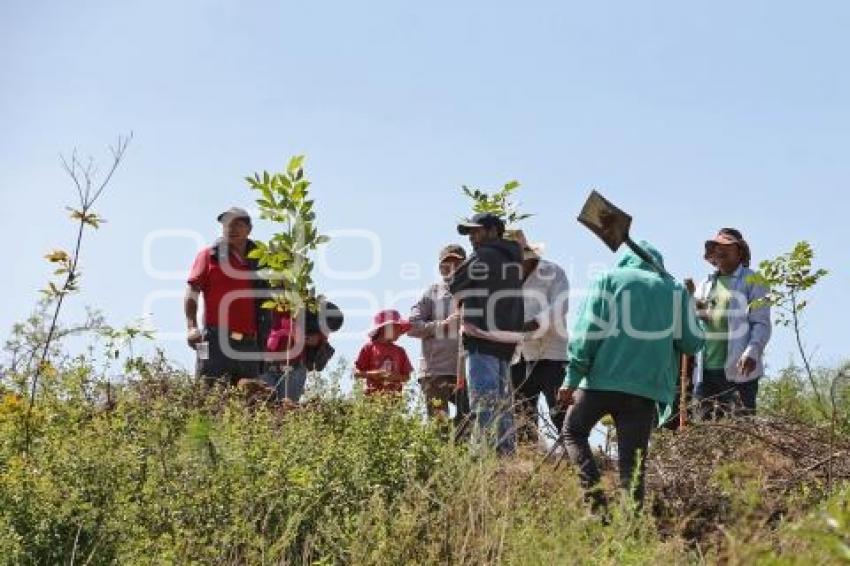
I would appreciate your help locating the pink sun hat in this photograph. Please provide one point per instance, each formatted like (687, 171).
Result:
(385, 318)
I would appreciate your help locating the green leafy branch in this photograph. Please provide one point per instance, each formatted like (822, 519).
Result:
(284, 259)
(124, 337)
(786, 278)
(499, 202)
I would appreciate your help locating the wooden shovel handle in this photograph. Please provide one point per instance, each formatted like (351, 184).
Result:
(685, 369)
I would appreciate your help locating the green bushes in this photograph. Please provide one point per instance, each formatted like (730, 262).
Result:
(158, 471)
(791, 395)
(166, 473)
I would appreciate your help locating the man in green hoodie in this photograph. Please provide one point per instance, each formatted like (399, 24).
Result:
(623, 360)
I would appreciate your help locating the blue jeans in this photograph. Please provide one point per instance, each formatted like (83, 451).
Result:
(288, 383)
(491, 402)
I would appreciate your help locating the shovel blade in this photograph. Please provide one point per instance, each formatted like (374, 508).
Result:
(605, 220)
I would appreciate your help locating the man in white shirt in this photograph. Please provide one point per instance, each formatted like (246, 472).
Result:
(541, 360)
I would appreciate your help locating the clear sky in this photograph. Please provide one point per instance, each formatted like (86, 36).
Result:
(689, 115)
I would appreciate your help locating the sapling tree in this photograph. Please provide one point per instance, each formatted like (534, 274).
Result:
(498, 202)
(284, 198)
(788, 278)
(90, 187)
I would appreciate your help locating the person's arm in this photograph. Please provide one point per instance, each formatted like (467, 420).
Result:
(692, 332)
(557, 304)
(759, 321)
(376, 374)
(197, 279)
(591, 327)
(190, 310)
(362, 363)
(701, 297)
(422, 323)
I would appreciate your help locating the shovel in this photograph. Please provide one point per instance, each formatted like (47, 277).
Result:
(612, 226)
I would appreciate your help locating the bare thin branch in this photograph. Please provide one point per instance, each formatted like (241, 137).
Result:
(117, 151)
(87, 174)
(71, 170)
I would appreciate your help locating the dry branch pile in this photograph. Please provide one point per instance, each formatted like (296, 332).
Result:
(716, 475)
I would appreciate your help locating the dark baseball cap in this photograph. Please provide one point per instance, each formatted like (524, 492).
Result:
(452, 250)
(480, 220)
(233, 213)
(329, 318)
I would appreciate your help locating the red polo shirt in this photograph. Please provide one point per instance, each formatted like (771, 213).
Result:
(210, 278)
(383, 355)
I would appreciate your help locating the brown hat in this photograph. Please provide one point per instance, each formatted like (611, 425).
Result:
(529, 251)
(452, 250)
(727, 237)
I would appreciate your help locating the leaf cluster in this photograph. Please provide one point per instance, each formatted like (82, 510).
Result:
(497, 202)
(785, 278)
(284, 198)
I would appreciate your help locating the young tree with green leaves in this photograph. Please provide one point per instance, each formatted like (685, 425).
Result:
(788, 277)
(285, 258)
(499, 202)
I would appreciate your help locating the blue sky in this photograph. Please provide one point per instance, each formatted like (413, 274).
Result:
(690, 115)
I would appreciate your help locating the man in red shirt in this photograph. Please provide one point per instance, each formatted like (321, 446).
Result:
(229, 344)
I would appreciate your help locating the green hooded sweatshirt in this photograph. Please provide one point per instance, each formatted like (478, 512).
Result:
(631, 331)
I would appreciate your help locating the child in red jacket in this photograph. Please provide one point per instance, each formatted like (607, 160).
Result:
(381, 362)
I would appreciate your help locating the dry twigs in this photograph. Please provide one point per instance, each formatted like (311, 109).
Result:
(714, 474)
